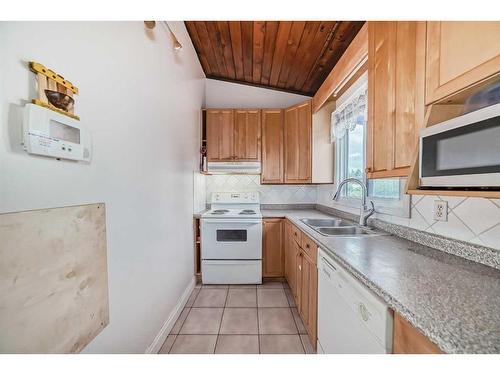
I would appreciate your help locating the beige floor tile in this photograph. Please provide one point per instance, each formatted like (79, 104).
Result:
(298, 321)
(237, 344)
(211, 298)
(271, 285)
(242, 298)
(281, 344)
(242, 286)
(214, 286)
(167, 345)
(307, 344)
(194, 344)
(271, 298)
(192, 297)
(276, 321)
(239, 321)
(178, 324)
(202, 321)
(289, 297)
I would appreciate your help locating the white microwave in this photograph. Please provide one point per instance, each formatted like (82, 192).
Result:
(49, 133)
(463, 152)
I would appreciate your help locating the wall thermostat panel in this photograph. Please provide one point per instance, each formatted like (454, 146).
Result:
(48, 133)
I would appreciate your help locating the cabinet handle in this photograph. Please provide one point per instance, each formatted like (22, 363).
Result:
(368, 169)
(300, 267)
(307, 245)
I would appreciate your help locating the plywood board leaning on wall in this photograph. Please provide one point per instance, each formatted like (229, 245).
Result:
(53, 279)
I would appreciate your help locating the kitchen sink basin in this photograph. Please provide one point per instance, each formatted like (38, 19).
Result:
(315, 223)
(343, 231)
(339, 227)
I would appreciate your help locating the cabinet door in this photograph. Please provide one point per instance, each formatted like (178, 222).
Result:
(381, 95)
(409, 93)
(247, 134)
(395, 94)
(273, 256)
(305, 289)
(272, 146)
(220, 134)
(298, 139)
(460, 54)
(408, 340)
(312, 295)
(289, 257)
(297, 293)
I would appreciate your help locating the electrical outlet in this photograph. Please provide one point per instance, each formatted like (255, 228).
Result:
(441, 210)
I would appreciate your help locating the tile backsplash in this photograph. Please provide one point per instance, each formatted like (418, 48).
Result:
(269, 194)
(475, 220)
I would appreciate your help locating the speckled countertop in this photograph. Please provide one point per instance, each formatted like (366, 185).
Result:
(453, 301)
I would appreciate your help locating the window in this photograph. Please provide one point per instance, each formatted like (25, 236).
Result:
(348, 130)
(349, 134)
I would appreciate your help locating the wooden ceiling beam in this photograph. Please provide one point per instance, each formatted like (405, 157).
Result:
(235, 34)
(259, 32)
(269, 46)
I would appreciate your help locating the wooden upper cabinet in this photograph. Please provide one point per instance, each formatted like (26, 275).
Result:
(396, 58)
(247, 134)
(233, 134)
(460, 54)
(273, 255)
(220, 134)
(408, 340)
(272, 146)
(298, 140)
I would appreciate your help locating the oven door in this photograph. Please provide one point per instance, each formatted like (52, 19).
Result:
(231, 239)
(462, 152)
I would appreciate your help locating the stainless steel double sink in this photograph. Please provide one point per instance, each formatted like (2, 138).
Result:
(338, 227)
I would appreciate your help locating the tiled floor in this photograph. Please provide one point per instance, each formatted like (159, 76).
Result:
(244, 319)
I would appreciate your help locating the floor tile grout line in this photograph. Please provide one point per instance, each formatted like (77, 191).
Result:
(222, 317)
(182, 325)
(180, 328)
(296, 326)
(258, 321)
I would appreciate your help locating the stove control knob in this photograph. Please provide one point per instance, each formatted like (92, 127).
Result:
(246, 196)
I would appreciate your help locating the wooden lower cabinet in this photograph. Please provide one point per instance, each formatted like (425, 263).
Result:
(273, 250)
(302, 276)
(290, 262)
(408, 340)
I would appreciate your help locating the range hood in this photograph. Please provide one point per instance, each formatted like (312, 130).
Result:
(231, 167)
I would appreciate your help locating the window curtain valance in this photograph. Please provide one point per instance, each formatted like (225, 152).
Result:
(350, 113)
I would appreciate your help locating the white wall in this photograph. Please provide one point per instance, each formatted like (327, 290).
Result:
(141, 102)
(221, 94)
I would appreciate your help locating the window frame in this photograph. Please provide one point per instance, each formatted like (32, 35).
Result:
(389, 206)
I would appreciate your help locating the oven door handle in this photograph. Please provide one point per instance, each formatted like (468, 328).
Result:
(242, 222)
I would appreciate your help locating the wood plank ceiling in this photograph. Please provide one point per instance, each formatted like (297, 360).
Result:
(293, 56)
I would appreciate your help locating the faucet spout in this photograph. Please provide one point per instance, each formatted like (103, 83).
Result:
(364, 213)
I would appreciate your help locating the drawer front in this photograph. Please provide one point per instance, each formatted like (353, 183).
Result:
(309, 247)
(296, 234)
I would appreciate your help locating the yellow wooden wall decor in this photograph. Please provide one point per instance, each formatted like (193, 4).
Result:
(54, 91)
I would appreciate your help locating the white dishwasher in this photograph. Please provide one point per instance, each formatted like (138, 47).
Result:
(351, 319)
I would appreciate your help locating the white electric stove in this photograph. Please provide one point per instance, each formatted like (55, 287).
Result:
(231, 239)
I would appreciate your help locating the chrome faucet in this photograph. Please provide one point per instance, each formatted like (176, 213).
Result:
(364, 213)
